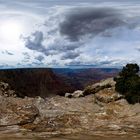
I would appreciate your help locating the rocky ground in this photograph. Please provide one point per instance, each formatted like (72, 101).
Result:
(98, 110)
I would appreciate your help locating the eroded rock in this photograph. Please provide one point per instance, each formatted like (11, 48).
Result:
(60, 115)
(108, 83)
(78, 94)
(107, 95)
(6, 91)
(15, 111)
(75, 94)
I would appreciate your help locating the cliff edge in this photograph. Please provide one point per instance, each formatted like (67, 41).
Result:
(104, 111)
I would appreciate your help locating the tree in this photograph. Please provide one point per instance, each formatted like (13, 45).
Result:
(128, 83)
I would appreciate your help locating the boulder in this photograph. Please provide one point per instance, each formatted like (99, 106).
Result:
(99, 86)
(105, 82)
(77, 94)
(107, 95)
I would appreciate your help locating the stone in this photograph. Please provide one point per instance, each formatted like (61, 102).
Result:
(68, 95)
(92, 89)
(108, 81)
(60, 115)
(107, 95)
(77, 94)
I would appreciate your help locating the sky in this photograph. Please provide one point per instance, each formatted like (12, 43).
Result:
(69, 33)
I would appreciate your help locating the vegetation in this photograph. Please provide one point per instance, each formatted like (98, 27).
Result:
(128, 83)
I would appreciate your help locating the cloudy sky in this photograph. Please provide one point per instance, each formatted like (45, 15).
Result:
(69, 33)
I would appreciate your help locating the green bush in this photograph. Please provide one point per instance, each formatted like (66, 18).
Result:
(128, 83)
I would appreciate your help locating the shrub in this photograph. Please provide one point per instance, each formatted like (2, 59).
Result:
(128, 83)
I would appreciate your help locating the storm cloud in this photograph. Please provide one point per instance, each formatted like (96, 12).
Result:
(39, 58)
(77, 24)
(70, 55)
(85, 35)
(26, 56)
(34, 42)
(138, 49)
(80, 22)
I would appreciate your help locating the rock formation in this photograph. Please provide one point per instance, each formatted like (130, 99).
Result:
(16, 111)
(6, 91)
(34, 82)
(102, 112)
(75, 94)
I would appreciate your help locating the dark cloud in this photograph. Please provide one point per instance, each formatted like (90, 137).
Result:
(39, 58)
(95, 64)
(74, 63)
(138, 49)
(68, 36)
(54, 63)
(62, 48)
(26, 55)
(89, 21)
(25, 60)
(78, 22)
(70, 55)
(35, 42)
(37, 63)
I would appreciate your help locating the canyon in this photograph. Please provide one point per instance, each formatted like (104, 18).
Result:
(102, 113)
